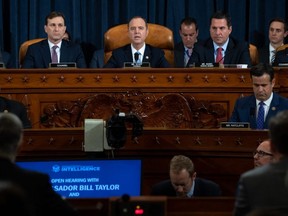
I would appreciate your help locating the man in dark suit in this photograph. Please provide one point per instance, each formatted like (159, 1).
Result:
(138, 51)
(186, 50)
(36, 186)
(277, 34)
(246, 109)
(54, 49)
(231, 51)
(16, 108)
(183, 181)
(267, 186)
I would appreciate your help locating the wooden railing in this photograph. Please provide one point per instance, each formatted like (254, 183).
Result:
(220, 206)
(63, 98)
(219, 155)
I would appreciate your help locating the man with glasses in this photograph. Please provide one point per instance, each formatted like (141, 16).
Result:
(267, 186)
(183, 181)
(263, 154)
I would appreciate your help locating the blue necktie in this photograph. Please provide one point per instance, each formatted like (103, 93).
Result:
(260, 117)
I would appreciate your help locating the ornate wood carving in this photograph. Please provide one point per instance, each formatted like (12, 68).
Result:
(173, 110)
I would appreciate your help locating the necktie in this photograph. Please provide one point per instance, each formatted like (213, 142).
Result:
(187, 56)
(219, 57)
(273, 57)
(137, 58)
(260, 117)
(54, 56)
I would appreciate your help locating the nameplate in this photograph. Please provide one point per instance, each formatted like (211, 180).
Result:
(235, 125)
(63, 65)
(235, 65)
(131, 64)
(206, 65)
(2, 65)
(283, 65)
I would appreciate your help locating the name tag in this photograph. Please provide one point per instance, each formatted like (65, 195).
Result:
(63, 65)
(235, 125)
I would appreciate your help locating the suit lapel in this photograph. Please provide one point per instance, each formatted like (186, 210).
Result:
(273, 109)
(45, 53)
(147, 54)
(252, 111)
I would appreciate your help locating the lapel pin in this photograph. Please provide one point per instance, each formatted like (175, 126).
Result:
(273, 108)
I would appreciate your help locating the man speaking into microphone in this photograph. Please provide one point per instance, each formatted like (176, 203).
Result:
(138, 51)
(258, 108)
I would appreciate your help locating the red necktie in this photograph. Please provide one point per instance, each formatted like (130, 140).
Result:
(219, 57)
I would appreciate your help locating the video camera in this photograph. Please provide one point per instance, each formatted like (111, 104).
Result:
(116, 128)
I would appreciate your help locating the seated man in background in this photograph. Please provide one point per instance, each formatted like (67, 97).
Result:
(221, 47)
(258, 108)
(44, 201)
(16, 108)
(54, 49)
(186, 50)
(267, 186)
(183, 181)
(138, 51)
(277, 34)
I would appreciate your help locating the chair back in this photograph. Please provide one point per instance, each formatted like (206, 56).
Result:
(159, 36)
(253, 54)
(24, 47)
(283, 47)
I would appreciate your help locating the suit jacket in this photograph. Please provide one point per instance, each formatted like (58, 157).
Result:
(281, 57)
(16, 108)
(179, 51)
(151, 54)
(245, 109)
(202, 187)
(40, 194)
(97, 60)
(236, 53)
(262, 187)
(264, 54)
(39, 56)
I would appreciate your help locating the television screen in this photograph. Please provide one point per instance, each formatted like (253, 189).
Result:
(91, 178)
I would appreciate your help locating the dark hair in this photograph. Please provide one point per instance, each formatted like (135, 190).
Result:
(54, 14)
(278, 19)
(10, 133)
(189, 21)
(222, 15)
(261, 69)
(138, 17)
(278, 132)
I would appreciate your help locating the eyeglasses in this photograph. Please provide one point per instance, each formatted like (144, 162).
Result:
(262, 153)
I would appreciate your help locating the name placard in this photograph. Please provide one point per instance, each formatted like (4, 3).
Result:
(235, 125)
(63, 65)
(131, 64)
